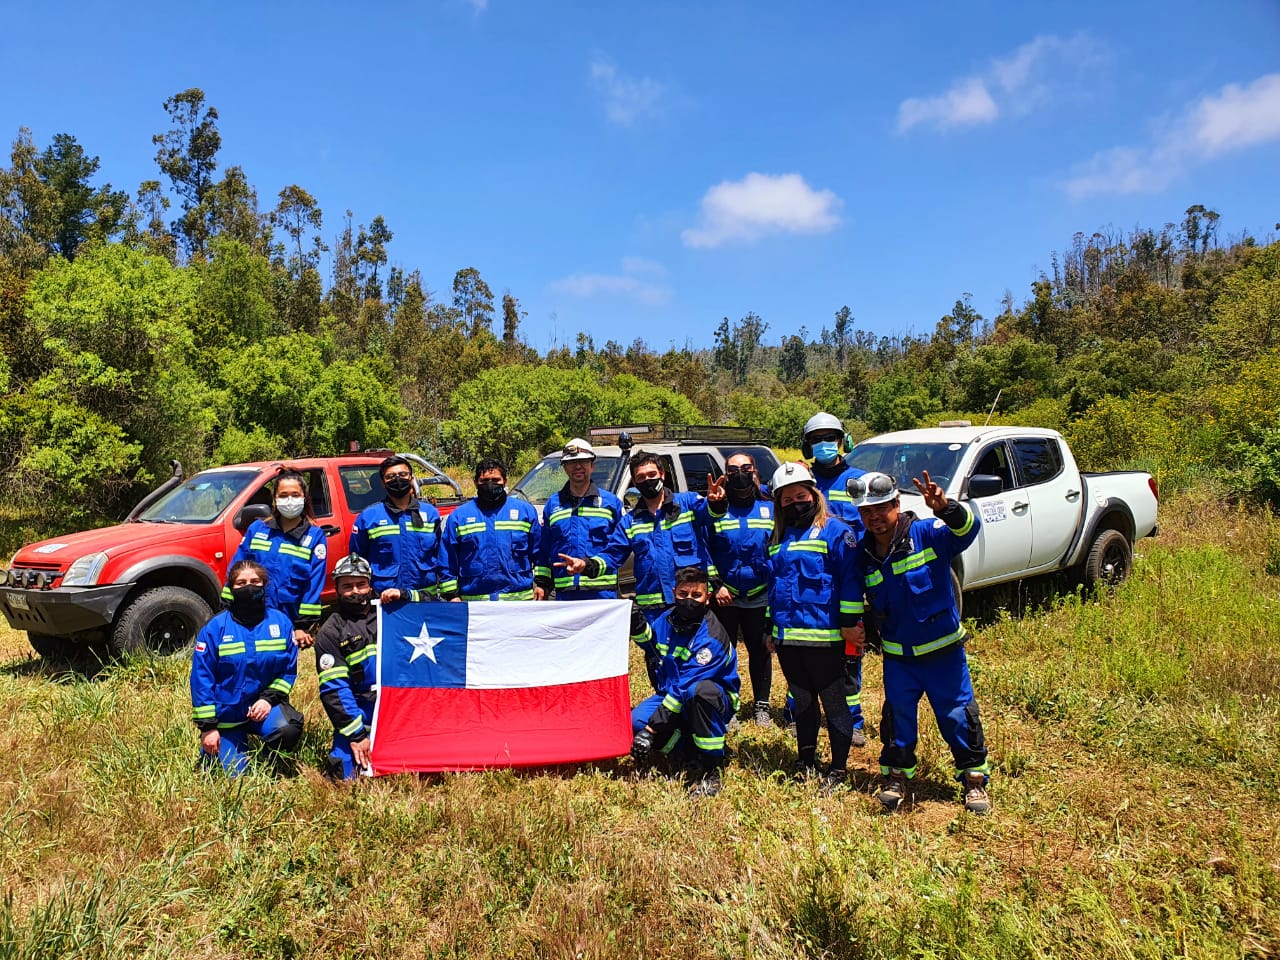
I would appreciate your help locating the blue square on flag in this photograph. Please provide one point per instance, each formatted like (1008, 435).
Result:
(424, 645)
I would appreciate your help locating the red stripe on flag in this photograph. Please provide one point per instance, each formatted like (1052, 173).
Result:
(438, 728)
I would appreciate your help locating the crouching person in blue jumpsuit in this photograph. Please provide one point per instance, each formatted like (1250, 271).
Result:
(905, 564)
(347, 667)
(697, 683)
(242, 671)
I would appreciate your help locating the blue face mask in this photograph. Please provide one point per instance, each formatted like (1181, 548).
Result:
(826, 451)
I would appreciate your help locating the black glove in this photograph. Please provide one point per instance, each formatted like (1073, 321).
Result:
(638, 622)
(642, 746)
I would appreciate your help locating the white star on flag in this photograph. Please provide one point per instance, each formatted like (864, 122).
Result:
(424, 645)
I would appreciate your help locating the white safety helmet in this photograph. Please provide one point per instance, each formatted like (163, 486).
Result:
(788, 474)
(823, 421)
(577, 449)
(352, 565)
(871, 489)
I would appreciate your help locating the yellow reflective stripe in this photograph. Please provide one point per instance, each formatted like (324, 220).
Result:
(708, 743)
(915, 560)
(851, 606)
(310, 609)
(270, 646)
(672, 704)
(258, 543)
(514, 595)
(466, 529)
(941, 642)
(984, 769)
(662, 648)
(638, 528)
(205, 711)
(759, 523)
(558, 515)
(521, 526)
(414, 528)
(682, 653)
(841, 495)
(539, 571)
(889, 646)
(231, 649)
(853, 700)
(281, 685)
(811, 633)
(302, 553)
(649, 598)
(754, 591)
(226, 593)
(355, 726)
(809, 546)
(231, 726)
(964, 528)
(774, 548)
(874, 578)
(601, 513)
(386, 530)
(360, 656)
(447, 586)
(724, 525)
(333, 673)
(588, 583)
(678, 521)
(908, 772)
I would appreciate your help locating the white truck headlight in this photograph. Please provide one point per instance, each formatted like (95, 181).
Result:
(84, 571)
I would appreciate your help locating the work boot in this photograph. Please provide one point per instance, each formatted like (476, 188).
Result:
(708, 785)
(893, 792)
(764, 716)
(859, 738)
(836, 779)
(975, 794)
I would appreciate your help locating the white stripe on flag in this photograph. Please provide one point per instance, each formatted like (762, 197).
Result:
(545, 644)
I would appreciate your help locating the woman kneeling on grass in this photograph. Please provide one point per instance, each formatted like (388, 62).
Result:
(243, 668)
(815, 606)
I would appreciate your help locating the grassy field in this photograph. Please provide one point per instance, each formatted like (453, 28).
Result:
(1136, 790)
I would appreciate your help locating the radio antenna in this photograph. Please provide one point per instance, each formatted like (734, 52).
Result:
(991, 413)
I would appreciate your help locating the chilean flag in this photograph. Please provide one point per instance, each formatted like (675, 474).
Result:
(469, 685)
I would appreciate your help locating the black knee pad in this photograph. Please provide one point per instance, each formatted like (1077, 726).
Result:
(285, 737)
(976, 738)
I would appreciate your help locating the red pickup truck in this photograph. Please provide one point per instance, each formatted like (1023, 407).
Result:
(150, 583)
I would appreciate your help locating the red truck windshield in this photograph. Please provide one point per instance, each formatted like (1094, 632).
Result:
(200, 499)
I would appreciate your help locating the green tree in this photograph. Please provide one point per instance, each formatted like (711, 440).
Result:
(81, 212)
(188, 156)
(473, 300)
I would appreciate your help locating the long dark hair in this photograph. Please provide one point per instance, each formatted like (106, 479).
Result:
(253, 565)
(308, 516)
(755, 473)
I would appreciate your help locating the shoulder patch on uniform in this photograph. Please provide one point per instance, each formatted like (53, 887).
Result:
(938, 524)
(321, 551)
(200, 646)
(306, 541)
(274, 630)
(850, 539)
(704, 656)
(515, 514)
(326, 661)
(764, 512)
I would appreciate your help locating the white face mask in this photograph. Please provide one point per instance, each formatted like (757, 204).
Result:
(290, 507)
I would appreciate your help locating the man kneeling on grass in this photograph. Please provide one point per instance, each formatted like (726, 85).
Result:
(347, 666)
(697, 684)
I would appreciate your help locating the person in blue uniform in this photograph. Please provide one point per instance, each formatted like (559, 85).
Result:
(292, 549)
(824, 443)
(347, 667)
(905, 565)
(491, 542)
(400, 537)
(242, 671)
(815, 609)
(577, 521)
(697, 683)
(737, 522)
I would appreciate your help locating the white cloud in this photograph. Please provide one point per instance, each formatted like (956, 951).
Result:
(1233, 119)
(479, 5)
(626, 99)
(631, 283)
(759, 204)
(1033, 74)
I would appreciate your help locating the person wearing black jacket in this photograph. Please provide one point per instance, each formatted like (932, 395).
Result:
(347, 666)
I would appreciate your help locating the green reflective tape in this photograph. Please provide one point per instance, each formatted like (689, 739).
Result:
(354, 727)
(280, 685)
(938, 644)
(874, 578)
(334, 673)
(708, 743)
(387, 530)
(231, 649)
(672, 704)
(964, 528)
(908, 772)
(914, 560)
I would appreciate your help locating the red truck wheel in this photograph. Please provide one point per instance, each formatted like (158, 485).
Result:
(160, 621)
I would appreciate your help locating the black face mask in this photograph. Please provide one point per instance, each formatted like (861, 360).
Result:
(742, 485)
(491, 493)
(799, 514)
(649, 488)
(688, 614)
(398, 487)
(249, 604)
(356, 603)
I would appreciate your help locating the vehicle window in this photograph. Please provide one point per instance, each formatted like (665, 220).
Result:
(200, 499)
(318, 491)
(1039, 459)
(904, 461)
(673, 478)
(361, 486)
(995, 461)
(766, 463)
(696, 467)
(546, 477)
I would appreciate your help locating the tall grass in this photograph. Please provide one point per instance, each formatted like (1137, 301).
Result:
(1136, 789)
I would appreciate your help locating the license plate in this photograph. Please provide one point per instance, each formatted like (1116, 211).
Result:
(18, 602)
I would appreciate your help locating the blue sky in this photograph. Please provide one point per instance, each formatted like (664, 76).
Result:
(643, 169)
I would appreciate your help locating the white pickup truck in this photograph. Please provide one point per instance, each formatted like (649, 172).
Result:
(1039, 512)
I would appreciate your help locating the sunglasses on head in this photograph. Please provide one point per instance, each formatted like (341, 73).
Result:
(744, 469)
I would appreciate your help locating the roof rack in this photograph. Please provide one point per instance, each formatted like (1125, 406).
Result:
(681, 433)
